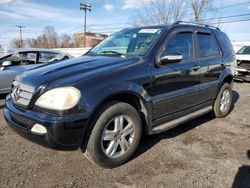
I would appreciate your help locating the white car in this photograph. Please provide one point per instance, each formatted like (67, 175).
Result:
(20, 60)
(243, 61)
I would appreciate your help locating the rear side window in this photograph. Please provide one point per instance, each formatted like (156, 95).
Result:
(207, 45)
(49, 57)
(182, 43)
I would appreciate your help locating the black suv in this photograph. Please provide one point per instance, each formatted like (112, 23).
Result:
(138, 81)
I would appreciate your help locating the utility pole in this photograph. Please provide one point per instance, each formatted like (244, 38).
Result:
(85, 8)
(21, 37)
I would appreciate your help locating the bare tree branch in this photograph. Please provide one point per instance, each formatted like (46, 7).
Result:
(50, 39)
(200, 7)
(16, 43)
(160, 12)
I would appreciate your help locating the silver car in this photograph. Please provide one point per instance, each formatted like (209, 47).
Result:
(17, 61)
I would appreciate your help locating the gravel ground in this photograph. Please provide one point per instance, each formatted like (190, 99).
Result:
(205, 152)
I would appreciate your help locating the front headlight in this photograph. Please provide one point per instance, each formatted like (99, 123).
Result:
(62, 98)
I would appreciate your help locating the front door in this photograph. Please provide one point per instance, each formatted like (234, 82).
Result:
(175, 86)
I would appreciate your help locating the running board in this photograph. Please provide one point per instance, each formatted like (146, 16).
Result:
(171, 124)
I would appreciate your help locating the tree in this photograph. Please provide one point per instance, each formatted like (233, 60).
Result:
(16, 43)
(66, 42)
(169, 11)
(200, 7)
(50, 36)
(50, 39)
(1, 48)
(160, 12)
(33, 43)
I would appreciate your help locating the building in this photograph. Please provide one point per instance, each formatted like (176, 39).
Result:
(91, 39)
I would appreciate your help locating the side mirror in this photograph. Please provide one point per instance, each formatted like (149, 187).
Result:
(172, 57)
(6, 63)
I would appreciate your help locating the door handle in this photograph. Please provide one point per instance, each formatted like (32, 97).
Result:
(195, 68)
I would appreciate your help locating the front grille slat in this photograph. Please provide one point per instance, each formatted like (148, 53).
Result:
(26, 95)
(22, 94)
(23, 102)
(25, 87)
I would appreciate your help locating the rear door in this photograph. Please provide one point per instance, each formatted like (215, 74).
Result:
(175, 86)
(211, 63)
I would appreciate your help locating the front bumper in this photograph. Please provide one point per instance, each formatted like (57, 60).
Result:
(63, 132)
(243, 75)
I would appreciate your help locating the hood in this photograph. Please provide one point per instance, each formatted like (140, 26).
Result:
(74, 70)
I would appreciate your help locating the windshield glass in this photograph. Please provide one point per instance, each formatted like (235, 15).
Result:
(244, 50)
(128, 42)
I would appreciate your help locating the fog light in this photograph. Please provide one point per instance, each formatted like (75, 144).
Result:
(39, 129)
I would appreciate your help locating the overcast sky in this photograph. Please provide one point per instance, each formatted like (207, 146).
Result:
(106, 16)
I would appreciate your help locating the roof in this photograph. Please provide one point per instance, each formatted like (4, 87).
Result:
(35, 49)
(179, 23)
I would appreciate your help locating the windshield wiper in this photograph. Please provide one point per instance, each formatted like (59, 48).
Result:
(113, 52)
(90, 53)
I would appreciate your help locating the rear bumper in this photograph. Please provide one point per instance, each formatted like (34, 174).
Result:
(63, 132)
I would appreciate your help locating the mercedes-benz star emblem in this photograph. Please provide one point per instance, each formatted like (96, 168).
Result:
(16, 92)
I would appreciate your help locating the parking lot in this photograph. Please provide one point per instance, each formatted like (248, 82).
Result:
(205, 152)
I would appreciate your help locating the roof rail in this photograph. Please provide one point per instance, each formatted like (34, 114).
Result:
(198, 24)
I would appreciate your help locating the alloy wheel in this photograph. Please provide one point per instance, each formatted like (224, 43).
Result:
(117, 136)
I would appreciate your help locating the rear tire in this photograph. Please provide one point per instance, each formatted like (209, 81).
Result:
(223, 102)
(115, 136)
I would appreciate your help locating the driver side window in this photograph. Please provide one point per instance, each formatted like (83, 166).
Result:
(182, 43)
(22, 58)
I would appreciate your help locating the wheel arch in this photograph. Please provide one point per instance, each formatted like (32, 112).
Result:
(130, 97)
(228, 79)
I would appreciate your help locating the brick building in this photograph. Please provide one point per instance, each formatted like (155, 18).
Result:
(91, 39)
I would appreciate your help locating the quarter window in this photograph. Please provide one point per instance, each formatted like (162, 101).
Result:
(207, 45)
(182, 43)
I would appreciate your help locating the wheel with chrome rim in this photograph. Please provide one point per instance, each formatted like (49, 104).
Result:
(118, 136)
(223, 102)
(115, 136)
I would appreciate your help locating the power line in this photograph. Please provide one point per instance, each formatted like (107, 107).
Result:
(224, 17)
(230, 21)
(224, 7)
(230, 6)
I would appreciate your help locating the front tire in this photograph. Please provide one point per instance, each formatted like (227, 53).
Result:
(115, 136)
(223, 102)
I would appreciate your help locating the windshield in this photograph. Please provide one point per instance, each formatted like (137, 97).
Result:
(128, 42)
(244, 50)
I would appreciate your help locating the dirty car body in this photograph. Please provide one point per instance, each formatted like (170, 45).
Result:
(164, 75)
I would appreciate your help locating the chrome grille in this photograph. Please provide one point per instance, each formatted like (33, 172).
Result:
(21, 93)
